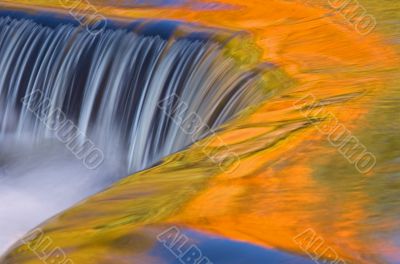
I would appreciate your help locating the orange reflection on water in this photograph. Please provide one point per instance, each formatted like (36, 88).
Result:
(283, 184)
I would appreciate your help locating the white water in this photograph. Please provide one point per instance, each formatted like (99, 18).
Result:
(38, 182)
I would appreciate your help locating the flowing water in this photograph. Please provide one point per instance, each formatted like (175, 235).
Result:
(290, 178)
(79, 111)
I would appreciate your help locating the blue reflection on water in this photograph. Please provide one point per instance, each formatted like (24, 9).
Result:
(225, 251)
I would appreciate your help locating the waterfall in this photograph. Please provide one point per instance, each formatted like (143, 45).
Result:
(126, 97)
(110, 86)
